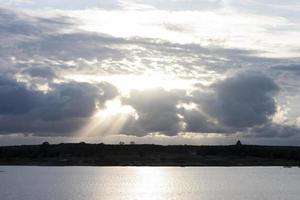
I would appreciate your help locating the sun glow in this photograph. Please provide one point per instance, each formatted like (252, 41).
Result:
(107, 121)
(113, 108)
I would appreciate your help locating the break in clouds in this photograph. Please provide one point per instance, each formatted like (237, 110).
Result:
(55, 80)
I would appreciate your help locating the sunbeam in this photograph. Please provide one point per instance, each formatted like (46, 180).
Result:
(107, 121)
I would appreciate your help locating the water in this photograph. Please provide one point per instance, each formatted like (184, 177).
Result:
(138, 183)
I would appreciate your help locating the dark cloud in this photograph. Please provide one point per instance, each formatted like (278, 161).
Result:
(243, 103)
(69, 100)
(157, 111)
(272, 130)
(240, 101)
(28, 124)
(244, 100)
(195, 121)
(74, 100)
(63, 109)
(15, 98)
(198, 122)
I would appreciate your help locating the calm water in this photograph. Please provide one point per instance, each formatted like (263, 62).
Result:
(129, 183)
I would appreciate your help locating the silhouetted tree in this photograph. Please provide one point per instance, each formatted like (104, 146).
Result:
(45, 144)
(238, 143)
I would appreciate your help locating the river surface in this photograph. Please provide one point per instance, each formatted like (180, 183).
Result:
(139, 183)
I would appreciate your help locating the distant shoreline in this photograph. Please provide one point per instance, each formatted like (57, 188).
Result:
(82, 154)
(166, 166)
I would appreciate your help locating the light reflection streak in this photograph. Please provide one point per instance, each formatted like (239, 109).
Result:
(134, 183)
(151, 184)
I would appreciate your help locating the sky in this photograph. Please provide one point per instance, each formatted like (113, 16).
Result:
(150, 71)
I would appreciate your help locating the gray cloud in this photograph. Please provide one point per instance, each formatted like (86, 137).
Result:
(291, 68)
(239, 103)
(40, 72)
(244, 100)
(69, 100)
(74, 100)
(27, 124)
(63, 109)
(38, 41)
(20, 27)
(157, 111)
(197, 122)
(73, 46)
(271, 130)
(15, 98)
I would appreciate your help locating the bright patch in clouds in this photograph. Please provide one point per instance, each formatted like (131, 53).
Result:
(108, 120)
(126, 83)
(225, 28)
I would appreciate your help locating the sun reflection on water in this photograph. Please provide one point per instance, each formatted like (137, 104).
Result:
(151, 184)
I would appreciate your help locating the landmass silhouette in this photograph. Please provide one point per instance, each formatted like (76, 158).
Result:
(83, 154)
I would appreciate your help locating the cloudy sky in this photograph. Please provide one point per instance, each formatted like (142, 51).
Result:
(150, 71)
